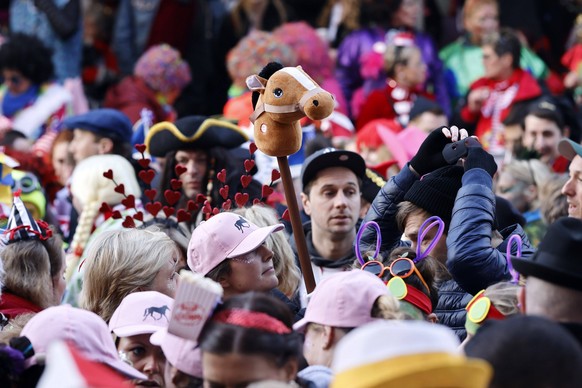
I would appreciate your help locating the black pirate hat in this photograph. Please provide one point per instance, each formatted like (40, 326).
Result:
(193, 132)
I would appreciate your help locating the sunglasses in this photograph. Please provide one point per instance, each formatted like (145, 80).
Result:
(27, 184)
(401, 268)
(480, 308)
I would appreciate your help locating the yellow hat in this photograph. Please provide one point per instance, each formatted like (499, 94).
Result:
(405, 354)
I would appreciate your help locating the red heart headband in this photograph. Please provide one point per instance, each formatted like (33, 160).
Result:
(173, 195)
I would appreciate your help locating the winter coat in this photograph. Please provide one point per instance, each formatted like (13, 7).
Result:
(472, 261)
(132, 95)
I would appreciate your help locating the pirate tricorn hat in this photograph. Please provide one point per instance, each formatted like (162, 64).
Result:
(193, 132)
(21, 225)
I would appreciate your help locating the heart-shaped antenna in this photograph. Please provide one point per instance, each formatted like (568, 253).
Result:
(422, 232)
(519, 242)
(374, 225)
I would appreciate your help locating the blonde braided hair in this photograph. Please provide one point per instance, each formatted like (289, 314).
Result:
(91, 189)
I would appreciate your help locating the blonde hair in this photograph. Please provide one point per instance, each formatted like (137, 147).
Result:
(387, 307)
(503, 295)
(122, 262)
(30, 267)
(91, 189)
(532, 171)
(473, 5)
(350, 14)
(283, 256)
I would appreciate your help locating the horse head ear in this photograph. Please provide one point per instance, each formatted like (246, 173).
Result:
(300, 68)
(256, 83)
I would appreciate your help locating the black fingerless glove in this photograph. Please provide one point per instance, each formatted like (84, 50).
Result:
(477, 157)
(430, 154)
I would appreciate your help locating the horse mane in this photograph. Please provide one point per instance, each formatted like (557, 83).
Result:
(266, 73)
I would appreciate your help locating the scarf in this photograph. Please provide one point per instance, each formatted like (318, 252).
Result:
(12, 104)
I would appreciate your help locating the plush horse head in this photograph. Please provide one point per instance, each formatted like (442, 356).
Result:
(285, 98)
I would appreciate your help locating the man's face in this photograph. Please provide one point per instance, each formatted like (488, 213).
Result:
(542, 136)
(573, 188)
(83, 145)
(413, 224)
(196, 163)
(333, 202)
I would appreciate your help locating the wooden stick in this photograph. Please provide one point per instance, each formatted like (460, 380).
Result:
(296, 225)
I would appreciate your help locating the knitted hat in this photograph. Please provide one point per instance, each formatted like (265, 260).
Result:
(436, 192)
(253, 51)
(163, 69)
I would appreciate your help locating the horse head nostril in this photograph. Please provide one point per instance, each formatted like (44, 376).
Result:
(315, 102)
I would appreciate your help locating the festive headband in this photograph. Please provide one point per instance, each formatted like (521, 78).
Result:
(173, 195)
(21, 225)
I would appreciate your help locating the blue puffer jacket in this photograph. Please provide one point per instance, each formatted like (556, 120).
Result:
(472, 261)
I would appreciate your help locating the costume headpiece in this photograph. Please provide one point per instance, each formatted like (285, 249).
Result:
(21, 225)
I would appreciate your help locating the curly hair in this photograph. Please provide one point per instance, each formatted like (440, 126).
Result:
(29, 56)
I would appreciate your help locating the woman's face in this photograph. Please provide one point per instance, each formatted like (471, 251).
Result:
(59, 282)
(15, 81)
(483, 21)
(145, 357)
(234, 370)
(408, 13)
(414, 73)
(63, 169)
(166, 280)
(495, 66)
(251, 272)
(196, 163)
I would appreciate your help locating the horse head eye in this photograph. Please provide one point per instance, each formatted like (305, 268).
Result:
(278, 93)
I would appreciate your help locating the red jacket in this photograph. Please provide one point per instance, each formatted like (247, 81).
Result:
(131, 95)
(12, 306)
(527, 88)
(393, 102)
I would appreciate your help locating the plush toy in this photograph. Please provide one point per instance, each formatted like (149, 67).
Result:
(287, 96)
(281, 97)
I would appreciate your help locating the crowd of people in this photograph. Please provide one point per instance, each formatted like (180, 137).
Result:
(440, 201)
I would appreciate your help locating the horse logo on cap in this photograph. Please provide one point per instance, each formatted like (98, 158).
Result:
(242, 223)
(151, 310)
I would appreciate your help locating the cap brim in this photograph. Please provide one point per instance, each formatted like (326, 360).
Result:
(301, 325)
(254, 240)
(564, 278)
(126, 369)
(128, 331)
(390, 139)
(569, 149)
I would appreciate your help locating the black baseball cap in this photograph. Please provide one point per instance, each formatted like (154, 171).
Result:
(331, 157)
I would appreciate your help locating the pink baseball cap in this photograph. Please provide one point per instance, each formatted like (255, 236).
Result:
(224, 236)
(183, 354)
(84, 329)
(343, 300)
(141, 313)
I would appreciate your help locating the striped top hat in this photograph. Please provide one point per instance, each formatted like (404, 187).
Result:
(21, 225)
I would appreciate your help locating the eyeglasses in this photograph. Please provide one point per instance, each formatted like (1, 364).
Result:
(27, 184)
(376, 267)
(402, 268)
